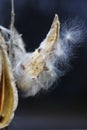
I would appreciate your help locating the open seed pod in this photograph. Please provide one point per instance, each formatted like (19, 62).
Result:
(8, 91)
(36, 70)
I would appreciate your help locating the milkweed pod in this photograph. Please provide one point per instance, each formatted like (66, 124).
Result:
(35, 70)
(8, 91)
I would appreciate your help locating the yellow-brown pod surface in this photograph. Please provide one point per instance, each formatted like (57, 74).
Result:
(8, 91)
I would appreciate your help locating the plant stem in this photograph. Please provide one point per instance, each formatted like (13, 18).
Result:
(12, 27)
(12, 15)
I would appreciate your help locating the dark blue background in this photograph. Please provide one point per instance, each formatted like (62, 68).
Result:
(65, 104)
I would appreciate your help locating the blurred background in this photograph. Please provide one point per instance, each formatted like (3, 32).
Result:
(65, 104)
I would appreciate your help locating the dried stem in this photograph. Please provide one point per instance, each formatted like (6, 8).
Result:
(12, 27)
(12, 16)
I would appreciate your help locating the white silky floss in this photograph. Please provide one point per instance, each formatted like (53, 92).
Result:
(41, 68)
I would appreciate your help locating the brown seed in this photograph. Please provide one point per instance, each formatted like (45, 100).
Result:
(46, 68)
(39, 50)
(23, 67)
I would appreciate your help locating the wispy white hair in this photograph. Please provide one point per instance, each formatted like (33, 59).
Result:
(57, 63)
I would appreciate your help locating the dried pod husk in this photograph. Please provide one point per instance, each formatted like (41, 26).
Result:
(8, 91)
(36, 70)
